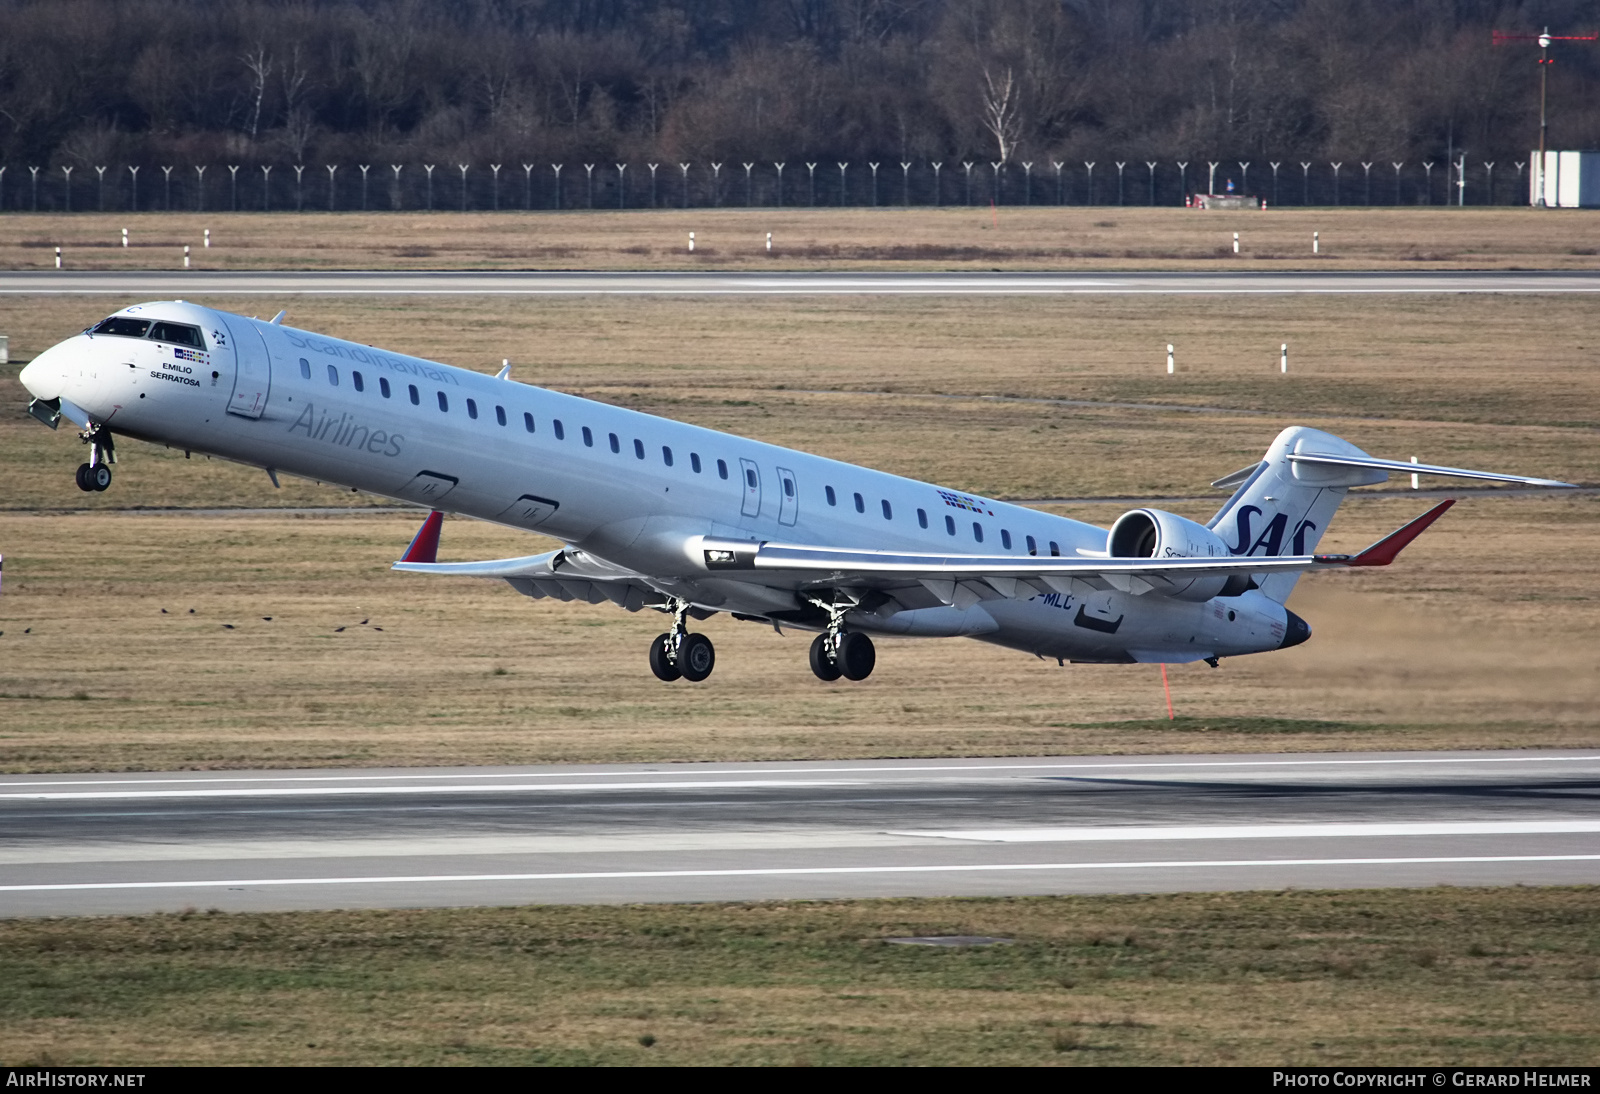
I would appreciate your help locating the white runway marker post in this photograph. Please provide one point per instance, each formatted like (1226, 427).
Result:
(208, 237)
(1235, 242)
(769, 242)
(58, 258)
(691, 243)
(186, 256)
(1283, 358)
(124, 239)
(1316, 242)
(1169, 358)
(1415, 485)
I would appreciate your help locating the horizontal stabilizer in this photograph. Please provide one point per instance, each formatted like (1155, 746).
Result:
(1419, 469)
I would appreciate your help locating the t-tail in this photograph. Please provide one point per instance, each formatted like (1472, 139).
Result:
(1283, 505)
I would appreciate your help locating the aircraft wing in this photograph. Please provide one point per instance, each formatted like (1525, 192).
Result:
(914, 579)
(566, 574)
(963, 578)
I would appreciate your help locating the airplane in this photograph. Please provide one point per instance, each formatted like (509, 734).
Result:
(654, 513)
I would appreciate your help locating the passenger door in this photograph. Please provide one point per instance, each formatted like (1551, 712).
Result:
(252, 371)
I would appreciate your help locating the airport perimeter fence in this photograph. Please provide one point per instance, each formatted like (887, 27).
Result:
(345, 187)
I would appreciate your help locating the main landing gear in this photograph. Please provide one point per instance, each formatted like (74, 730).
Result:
(96, 474)
(836, 652)
(677, 653)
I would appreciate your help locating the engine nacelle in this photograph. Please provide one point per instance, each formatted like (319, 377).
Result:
(1154, 533)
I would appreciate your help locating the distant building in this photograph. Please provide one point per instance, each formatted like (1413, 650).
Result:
(1571, 180)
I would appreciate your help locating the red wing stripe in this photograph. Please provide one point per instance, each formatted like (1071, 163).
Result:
(1386, 549)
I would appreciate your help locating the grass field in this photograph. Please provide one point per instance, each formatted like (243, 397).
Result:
(1014, 238)
(1483, 636)
(1415, 978)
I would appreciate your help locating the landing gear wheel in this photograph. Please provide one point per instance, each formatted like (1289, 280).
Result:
(823, 665)
(661, 658)
(99, 477)
(856, 656)
(696, 657)
(83, 477)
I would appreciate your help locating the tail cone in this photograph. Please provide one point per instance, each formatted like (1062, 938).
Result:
(1295, 632)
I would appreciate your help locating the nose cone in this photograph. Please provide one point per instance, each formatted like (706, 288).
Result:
(46, 375)
(1295, 631)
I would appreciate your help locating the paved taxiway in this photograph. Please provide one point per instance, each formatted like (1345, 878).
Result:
(87, 844)
(151, 284)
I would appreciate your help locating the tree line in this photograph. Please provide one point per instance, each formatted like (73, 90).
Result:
(86, 83)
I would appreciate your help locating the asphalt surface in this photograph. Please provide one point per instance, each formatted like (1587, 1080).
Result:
(99, 844)
(184, 284)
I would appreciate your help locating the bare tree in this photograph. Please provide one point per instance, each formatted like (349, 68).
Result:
(259, 65)
(1002, 114)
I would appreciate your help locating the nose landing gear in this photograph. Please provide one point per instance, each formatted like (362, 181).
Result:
(96, 474)
(677, 653)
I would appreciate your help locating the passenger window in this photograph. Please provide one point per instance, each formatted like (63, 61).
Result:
(588, 437)
(638, 448)
(1033, 548)
(179, 334)
(616, 445)
(750, 477)
(383, 386)
(305, 369)
(977, 531)
(950, 524)
(888, 514)
(1005, 539)
(666, 455)
(561, 431)
(444, 403)
(861, 505)
(832, 498)
(355, 378)
(416, 399)
(694, 462)
(333, 376)
(1055, 551)
(788, 488)
(922, 518)
(500, 414)
(472, 409)
(527, 423)
(722, 468)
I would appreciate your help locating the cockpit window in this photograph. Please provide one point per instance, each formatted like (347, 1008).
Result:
(178, 333)
(121, 324)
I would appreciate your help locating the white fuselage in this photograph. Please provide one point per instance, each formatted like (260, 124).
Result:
(624, 486)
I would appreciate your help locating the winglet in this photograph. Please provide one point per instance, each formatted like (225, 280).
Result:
(1386, 549)
(425, 547)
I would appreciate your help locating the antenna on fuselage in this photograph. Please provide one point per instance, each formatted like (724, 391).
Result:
(505, 369)
(278, 319)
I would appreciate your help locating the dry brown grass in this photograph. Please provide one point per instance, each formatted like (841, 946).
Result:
(1484, 635)
(817, 239)
(1420, 978)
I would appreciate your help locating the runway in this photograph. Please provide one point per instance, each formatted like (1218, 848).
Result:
(188, 284)
(102, 844)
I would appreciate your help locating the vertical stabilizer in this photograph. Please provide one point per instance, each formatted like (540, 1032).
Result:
(1283, 507)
